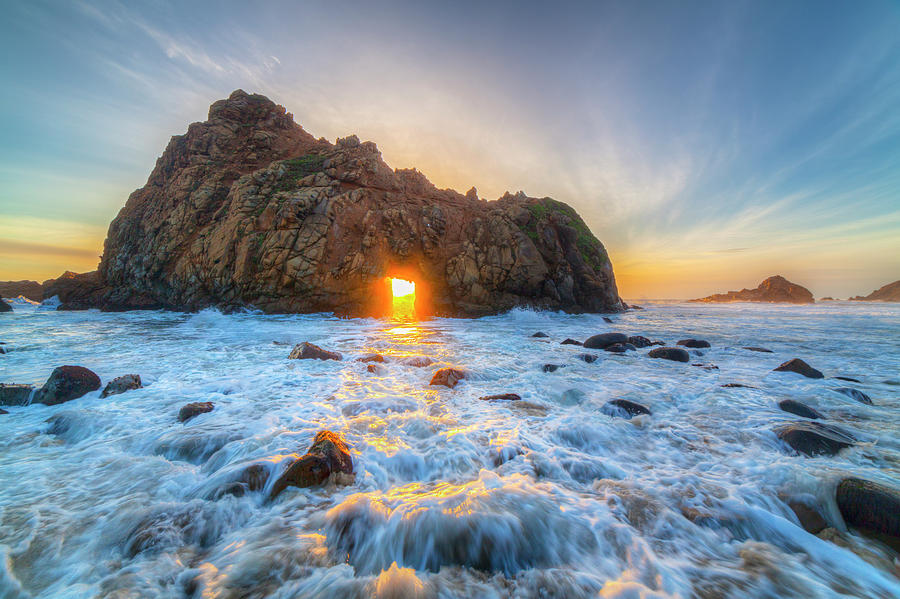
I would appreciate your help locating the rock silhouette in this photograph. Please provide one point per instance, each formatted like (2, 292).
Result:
(773, 289)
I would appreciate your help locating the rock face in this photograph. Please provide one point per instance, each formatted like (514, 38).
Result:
(30, 289)
(248, 209)
(773, 289)
(65, 384)
(888, 293)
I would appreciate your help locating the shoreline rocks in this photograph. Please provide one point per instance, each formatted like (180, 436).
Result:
(327, 455)
(800, 409)
(675, 354)
(693, 343)
(813, 438)
(65, 384)
(775, 289)
(448, 377)
(122, 384)
(800, 367)
(604, 340)
(310, 351)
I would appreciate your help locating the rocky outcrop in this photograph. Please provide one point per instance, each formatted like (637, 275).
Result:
(888, 293)
(773, 289)
(4, 307)
(65, 384)
(326, 456)
(30, 289)
(248, 209)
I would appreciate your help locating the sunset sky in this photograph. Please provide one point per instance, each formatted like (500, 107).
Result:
(708, 145)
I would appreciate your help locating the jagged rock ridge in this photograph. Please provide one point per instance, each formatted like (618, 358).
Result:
(773, 289)
(888, 293)
(28, 289)
(248, 209)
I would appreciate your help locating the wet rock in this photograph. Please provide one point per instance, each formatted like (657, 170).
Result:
(327, 455)
(310, 351)
(693, 343)
(194, 444)
(4, 307)
(448, 377)
(570, 342)
(616, 348)
(706, 366)
(589, 358)
(371, 368)
(501, 396)
(551, 367)
(417, 361)
(846, 378)
(737, 386)
(604, 340)
(758, 349)
(800, 409)
(639, 341)
(175, 526)
(2, 351)
(251, 478)
(192, 409)
(800, 367)
(624, 408)
(676, 354)
(65, 384)
(855, 394)
(810, 518)
(814, 438)
(122, 384)
(607, 319)
(870, 506)
(15, 395)
(540, 334)
(371, 358)
(2, 411)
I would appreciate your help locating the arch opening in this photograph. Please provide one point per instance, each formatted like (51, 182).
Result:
(403, 298)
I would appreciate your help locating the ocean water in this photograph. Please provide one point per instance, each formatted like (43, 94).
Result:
(453, 496)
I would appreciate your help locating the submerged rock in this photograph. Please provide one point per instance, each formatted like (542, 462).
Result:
(501, 396)
(310, 351)
(773, 289)
(193, 409)
(122, 384)
(607, 319)
(855, 394)
(15, 395)
(327, 455)
(846, 378)
(65, 384)
(737, 386)
(800, 367)
(800, 409)
(758, 349)
(571, 342)
(239, 483)
(869, 506)
(624, 408)
(448, 377)
(371, 358)
(540, 334)
(693, 343)
(589, 358)
(676, 354)
(551, 367)
(2, 411)
(604, 340)
(809, 517)
(417, 361)
(813, 438)
(706, 366)
(640, 341)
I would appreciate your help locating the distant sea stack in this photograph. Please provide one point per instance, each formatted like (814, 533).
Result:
(29, 289)
(249, 210)
(888, 293)
(773, 289)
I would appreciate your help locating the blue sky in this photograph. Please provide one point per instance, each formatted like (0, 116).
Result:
(707, 144)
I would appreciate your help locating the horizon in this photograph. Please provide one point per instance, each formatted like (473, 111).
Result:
(708, 147)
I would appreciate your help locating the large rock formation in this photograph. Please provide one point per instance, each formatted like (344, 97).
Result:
(773, 289)
(888, 293)
(29, 289)
(248, 209)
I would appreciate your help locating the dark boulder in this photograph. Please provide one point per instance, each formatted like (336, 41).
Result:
(371, 358)
(855, 394)
(604, 340)
(607, 319)
(800, 367)
(196, 408)
(759, 349)
(589, 358)
(693, 343)
(2, 411)
(503, 396)
(448, 377)
(15, 395)
(4, 307)
(676, 354)
(540, 334)
(639, 341)
(846, 378)
(122, 384)
(327, 455)
(869, 506)
(624, 408)
(65, 384)
(551, 367)
(309, 351)
(570, 342)
(814, 438)
(800, 409)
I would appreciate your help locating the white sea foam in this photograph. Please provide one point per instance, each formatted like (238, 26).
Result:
(454, 496)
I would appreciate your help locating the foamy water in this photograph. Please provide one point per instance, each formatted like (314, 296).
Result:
(453, 496)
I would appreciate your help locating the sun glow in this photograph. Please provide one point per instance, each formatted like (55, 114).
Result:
(402, 288)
